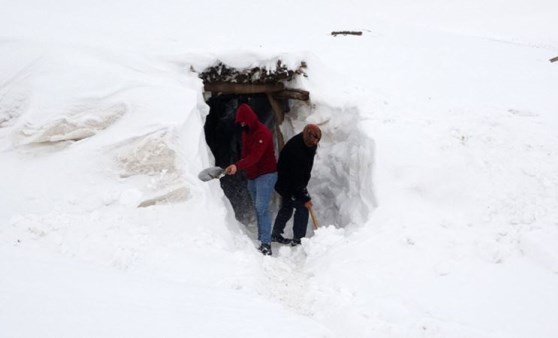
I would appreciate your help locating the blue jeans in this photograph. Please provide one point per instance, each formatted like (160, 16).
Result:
(261, 190)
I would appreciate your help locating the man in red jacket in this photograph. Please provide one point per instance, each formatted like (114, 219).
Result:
(258, 161)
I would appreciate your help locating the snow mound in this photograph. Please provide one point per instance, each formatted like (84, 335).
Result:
(84, 123)
(14, 100)
(148, 155)
(175, 195)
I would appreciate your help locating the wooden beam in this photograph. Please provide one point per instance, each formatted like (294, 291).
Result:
(346, 33)
(554, 59)
(241, 88)
(295, 94)
(279, 117)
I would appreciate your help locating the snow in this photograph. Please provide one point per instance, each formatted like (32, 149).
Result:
(436, 180)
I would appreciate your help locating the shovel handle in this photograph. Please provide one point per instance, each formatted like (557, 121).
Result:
(314, 218)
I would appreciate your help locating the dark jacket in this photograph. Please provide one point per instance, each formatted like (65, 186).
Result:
(294, 168)
(258, 154)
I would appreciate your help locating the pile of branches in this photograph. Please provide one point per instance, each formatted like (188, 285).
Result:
(256, 75)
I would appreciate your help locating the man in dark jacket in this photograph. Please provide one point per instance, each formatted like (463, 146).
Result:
(258, 161)
(293, 169)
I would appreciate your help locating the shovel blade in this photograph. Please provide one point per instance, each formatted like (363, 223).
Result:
(211, 173)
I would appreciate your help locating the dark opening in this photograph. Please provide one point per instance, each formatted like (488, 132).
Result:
(223, 137)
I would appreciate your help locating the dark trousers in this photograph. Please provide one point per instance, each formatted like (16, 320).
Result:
(300, 222)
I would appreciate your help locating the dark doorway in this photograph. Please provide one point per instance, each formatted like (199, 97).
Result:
(223, 137)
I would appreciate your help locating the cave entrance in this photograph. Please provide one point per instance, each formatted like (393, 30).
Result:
(265, 91)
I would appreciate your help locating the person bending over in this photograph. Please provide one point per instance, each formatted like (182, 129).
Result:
(294, 168)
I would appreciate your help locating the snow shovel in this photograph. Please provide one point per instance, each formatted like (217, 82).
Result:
(314, 218)
(211, 173)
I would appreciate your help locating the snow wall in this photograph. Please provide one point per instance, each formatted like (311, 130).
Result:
(137, 125)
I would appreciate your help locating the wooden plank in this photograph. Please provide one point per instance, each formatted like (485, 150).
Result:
(241, 88)
(279, 117)
(295, 94)
(345, 33)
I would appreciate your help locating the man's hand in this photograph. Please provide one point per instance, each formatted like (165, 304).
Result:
(230, 170)
(308, 204)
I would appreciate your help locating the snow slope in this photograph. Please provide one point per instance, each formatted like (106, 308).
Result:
(436, 181)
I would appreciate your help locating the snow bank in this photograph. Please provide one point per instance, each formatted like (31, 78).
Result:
(74, 127)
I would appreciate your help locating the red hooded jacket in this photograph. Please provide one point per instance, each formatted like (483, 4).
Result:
(258, 154)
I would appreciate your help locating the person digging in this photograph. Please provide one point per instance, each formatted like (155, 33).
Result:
(294, 168)
(258, 161)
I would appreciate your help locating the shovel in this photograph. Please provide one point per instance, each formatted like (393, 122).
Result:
(211, 173)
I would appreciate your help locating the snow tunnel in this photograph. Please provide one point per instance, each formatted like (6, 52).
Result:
(225, 89)
(341, 183)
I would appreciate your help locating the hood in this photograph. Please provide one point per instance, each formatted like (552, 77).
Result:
(245, 114)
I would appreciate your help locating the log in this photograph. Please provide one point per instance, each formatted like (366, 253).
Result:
(554, 59)
(295, 94)
(241, 88)
(346, 33)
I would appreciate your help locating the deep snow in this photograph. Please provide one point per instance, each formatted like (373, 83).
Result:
(436, 181)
